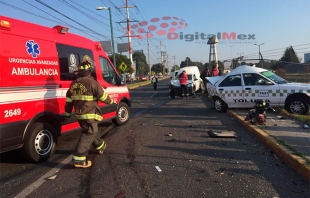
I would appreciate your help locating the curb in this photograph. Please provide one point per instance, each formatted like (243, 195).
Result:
(146, 83)
(294, 161)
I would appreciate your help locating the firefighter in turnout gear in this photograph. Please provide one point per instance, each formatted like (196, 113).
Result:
(83, 95)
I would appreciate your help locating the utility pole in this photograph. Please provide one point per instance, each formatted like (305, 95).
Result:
(161, 57)
(259, 54)
(148, 46)
(167, 61)
(173, 57)
(128, 29)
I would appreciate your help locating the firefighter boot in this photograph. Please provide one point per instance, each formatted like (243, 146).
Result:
(101, 148)
(82, 163)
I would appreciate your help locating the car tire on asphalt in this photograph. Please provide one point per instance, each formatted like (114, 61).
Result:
(193, 91)
(122, 114)
(219, 104)
(171, 94)
(297, 106)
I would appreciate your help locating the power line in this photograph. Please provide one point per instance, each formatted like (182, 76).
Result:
(94, 32)
(279, 49)
(40, 16)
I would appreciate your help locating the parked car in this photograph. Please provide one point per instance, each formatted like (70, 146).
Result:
(129, 78)
(244, 85)
(194, 82)
(144, 78)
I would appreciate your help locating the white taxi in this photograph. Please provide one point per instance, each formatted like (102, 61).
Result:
(244, 85)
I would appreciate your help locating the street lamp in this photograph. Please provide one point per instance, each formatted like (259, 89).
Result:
(112, 35)
(259, 55)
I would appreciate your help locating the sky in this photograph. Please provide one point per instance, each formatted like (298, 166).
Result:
(180, 28)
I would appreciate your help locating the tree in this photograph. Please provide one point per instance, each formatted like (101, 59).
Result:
(186, 63)
(157, 68)
(220, 65)
(175, 68)
(288, 56)
(119, 59)
(141, 64)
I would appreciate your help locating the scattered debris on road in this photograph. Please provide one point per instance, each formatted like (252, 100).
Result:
(157, 167)
(221, 134)
(52, 177)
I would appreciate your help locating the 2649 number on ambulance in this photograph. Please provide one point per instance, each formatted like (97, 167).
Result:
(37, 66)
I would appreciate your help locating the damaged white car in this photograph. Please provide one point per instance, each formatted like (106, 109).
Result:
(244, 85)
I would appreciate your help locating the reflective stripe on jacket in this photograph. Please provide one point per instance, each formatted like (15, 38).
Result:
(83, 95)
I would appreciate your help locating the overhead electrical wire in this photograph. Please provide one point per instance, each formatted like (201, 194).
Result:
(94, 32)
(56, 22)
(282, 48)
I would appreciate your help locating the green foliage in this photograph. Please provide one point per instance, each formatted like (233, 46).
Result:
(142, 67)
(119, 59)
(220, 65)
(187, 62)
(157, 68)
(175, 68)
(288, 56)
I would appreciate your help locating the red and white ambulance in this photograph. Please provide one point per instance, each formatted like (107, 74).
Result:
(37, 65)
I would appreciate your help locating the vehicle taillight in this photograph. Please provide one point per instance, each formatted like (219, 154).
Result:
(5, 24)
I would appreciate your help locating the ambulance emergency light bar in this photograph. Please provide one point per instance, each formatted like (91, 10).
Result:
(5, 24)
(61, 29)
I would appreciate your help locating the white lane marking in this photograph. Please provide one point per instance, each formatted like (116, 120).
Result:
(42, 179)
(153, 94)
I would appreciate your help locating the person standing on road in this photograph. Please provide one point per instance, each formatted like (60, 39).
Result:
(154, 81)
(203, 75)
(83, 95)
(215, 71)
(183, 82)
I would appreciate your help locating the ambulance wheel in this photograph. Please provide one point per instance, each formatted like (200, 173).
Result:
(122, 114)
(220, 105)
(39, 142)
(297, 106)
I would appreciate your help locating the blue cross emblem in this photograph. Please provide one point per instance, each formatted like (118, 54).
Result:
(32, 48)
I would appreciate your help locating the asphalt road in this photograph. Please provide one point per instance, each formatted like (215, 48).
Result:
(163, 151)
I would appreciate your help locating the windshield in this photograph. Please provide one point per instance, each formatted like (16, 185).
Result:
(275, 78)
(189, 77)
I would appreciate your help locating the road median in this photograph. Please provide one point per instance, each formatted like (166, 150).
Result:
(297, 163)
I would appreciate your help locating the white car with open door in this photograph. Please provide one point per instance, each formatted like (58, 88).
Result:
(194, 82)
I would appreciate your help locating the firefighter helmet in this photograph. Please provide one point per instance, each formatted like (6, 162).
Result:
(84, 67)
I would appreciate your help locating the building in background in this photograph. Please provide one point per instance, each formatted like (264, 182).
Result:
(307, 58)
